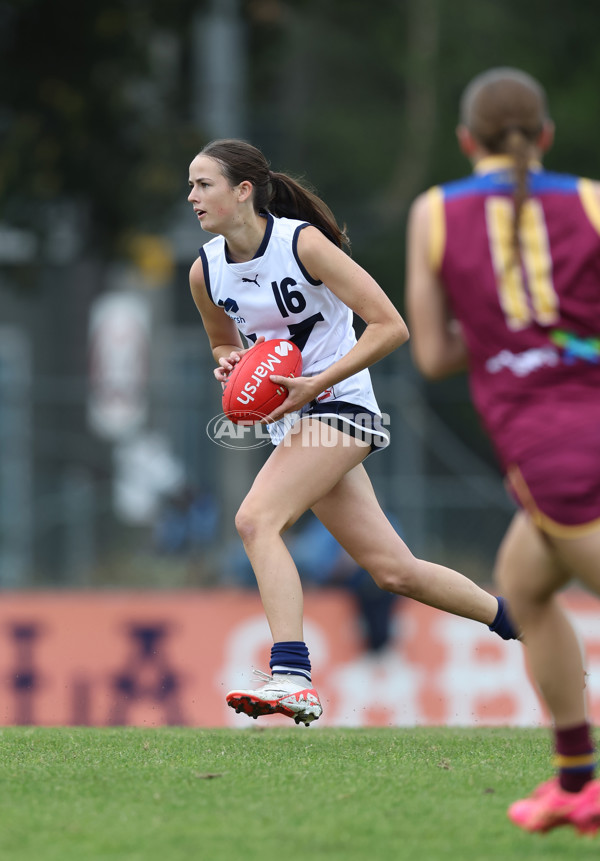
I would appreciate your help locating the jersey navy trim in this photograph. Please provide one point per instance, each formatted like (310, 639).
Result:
(501, 182)
(558, 182)
(204, 260)
(266, 237)
(265, 240)
(313, 281)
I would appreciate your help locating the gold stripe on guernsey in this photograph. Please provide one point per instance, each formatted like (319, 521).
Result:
(499, 218)
(590, 202)
(562, 761)
(537, 259)
(437, 231)
(493, 163)
(545, 523)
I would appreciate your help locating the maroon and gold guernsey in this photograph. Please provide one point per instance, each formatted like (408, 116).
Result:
(532, 329)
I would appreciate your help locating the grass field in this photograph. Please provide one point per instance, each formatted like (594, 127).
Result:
(290, 793)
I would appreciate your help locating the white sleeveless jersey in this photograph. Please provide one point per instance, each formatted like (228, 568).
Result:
(273, 295)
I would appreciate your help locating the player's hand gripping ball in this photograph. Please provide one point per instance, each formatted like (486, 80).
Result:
(249, 395)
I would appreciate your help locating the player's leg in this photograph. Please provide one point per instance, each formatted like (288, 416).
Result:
(530, 572)
(581, 555)
(303, 467)
(351, 512)
(530, 575)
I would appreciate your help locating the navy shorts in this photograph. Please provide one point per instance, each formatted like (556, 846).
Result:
(354, 420)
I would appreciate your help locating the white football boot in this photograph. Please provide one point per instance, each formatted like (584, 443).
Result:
(278, 695)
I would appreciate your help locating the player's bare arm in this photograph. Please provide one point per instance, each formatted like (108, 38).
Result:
(385, 329)
(224, 338)
(438, 348)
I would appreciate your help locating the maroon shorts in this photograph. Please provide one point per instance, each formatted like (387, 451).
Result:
(559, 484)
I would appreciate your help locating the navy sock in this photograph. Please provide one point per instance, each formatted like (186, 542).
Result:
(290, 659)
(503, 624)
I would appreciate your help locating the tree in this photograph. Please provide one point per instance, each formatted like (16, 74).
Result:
(94, 111)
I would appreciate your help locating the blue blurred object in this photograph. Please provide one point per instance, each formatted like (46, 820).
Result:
(322, 562)
(187, 522)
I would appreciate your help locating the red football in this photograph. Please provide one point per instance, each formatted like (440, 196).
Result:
(249, 395)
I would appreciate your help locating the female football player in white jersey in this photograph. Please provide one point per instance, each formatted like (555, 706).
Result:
(277, 268)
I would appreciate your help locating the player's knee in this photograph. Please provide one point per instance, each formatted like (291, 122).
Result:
(526, 596)
(254, 521)
(391, 575)
(246, 523)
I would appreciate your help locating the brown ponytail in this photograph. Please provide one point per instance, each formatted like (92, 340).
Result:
(505, 110)
(517, 146)
(274, 192)
(290, 199)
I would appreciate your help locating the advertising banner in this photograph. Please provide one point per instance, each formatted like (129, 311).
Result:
(168, 658)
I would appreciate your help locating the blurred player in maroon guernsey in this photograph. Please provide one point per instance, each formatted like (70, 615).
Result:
(276, 268)
(503, 278)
